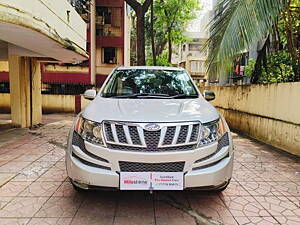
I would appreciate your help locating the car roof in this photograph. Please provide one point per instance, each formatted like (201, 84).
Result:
(149, 68)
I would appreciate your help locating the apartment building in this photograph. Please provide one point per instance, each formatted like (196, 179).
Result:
(112, 35)
(193, 59)
(189, 54)
(112, 47)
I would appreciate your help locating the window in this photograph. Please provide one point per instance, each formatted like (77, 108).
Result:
(197, 67)
(194, 47)
(109, 55)
(109, 16)
(147, 81)
(103, 15)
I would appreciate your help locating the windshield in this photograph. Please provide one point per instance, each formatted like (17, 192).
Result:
(147, 82)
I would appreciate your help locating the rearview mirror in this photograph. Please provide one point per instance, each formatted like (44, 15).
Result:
(90, 94)
(209, 95)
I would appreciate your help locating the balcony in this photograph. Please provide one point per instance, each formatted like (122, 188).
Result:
(109, 28)
(43, 28)
(110, 41)
(111, 3)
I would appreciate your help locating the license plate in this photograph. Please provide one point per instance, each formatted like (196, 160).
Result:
(151, 180)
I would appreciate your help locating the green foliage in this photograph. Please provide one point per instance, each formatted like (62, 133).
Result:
(237, 25)
(162, 60)
(249, 69)
(170, 18)
(279, 68)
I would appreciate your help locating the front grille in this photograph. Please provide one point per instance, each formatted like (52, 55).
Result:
(195, 132)
(133, 137)
(151, 167)
(121, 134)
(134, 134)
(169, 135)
(108, 132)
(152, 139)
(182, 134)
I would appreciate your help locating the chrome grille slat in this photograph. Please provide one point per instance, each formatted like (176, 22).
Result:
(125, 136)
(141, 135)
(176, 135)
(162, 136)
(188, 137)
(114, 132)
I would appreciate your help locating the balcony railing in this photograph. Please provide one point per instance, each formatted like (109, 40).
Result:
(112, 3)
(106, 41)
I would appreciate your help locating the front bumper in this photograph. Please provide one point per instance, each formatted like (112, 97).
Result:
(103, 170)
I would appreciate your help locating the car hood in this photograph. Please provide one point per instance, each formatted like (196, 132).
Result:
(150, 110)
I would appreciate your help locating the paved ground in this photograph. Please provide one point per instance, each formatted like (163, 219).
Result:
(34, 189)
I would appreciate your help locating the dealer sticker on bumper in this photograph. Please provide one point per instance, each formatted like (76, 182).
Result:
(151, 181)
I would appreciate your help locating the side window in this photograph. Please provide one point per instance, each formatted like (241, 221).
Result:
(109, 55)
(103, 15)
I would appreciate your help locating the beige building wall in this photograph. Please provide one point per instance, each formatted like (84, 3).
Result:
(4, 103)
(269, 113)
(69, 69)
(50, 103)
(3, 66)
(58, 103)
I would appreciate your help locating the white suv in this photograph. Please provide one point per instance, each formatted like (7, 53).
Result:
(149, 128)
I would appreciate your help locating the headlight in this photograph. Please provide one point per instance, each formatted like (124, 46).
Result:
(89, 130)
(211, 132)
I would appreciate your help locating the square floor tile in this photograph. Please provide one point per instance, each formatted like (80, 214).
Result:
(22, 207)
(60, 207)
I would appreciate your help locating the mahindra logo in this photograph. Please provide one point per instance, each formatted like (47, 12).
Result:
(152, 127)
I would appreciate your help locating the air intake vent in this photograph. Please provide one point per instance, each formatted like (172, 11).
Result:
(151, 167)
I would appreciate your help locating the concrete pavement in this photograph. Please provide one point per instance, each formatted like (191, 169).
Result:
(34, 189)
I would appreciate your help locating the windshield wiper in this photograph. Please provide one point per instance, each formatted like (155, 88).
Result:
(185, 96)
(147, 95)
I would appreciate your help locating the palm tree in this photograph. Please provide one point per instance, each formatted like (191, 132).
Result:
(236, 25)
